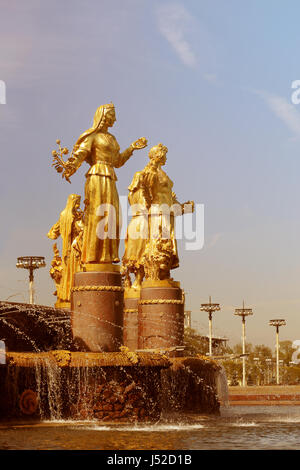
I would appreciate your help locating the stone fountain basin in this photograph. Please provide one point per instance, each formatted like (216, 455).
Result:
(26, 327)
(46, 376)
(107, 387)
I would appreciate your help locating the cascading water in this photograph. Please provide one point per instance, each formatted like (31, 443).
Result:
(222, 386)
(45, 377)
(49, 389)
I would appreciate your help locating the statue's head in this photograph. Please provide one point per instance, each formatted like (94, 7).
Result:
(158, 154)
(73, 202)
(104, 115)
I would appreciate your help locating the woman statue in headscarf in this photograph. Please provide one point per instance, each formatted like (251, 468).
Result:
(101, 151)
(150, 245)
(69, 227)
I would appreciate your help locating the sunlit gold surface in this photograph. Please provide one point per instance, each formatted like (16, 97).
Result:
(101, 151)
(64, 305)
(101, 267)
(69, 227)
(87, 359)
(149, 256)
(131, 293)
(56, 268)
(160, 283)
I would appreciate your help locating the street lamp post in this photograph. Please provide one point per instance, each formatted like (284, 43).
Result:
(31, 263)
(277, 323)
(281, 370)
(210, 309)
(257, 370)
(188, 319)
(244, 312)
(268, 362)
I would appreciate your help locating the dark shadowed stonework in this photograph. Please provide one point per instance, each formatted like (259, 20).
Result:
(46, 376)
(25, 327)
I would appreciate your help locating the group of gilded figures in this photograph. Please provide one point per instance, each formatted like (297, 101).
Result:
(148, 255)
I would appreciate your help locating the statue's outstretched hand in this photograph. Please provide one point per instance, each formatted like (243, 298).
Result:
(65, 168)
(139, 144)
(188, 207)
(69, 169)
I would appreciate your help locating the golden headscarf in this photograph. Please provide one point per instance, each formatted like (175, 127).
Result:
(98, 119)
(66, 220)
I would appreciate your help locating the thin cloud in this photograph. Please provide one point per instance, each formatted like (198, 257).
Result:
(283, 110)
(211, 77)
(214, 239)
(173, 22)
(14, 53)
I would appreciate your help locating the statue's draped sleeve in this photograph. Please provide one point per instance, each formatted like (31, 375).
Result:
(136, 182)
(138, 194)
(91, 152)
(123, 157)
(82, 152)
(54, 232)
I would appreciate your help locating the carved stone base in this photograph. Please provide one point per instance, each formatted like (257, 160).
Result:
(161, 318)
(130, 319)
(97, 311)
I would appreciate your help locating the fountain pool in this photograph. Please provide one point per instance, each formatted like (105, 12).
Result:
(237, 428)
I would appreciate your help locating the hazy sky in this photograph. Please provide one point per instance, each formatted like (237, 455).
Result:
(211, 80)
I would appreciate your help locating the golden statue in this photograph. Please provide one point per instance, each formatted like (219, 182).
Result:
(56, 269)
(150, 245)
(70, 228)
(101, 151)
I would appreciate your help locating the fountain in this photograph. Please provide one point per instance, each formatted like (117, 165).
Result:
(112, 348)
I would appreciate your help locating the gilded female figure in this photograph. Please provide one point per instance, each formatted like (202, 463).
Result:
(151, 233)
(69, 227)
(101, 151)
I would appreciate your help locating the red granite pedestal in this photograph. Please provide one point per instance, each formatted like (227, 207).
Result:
(97, 311)
(161, 316)
(130, 319)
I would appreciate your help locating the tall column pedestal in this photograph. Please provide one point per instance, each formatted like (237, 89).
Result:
(161, 316)
(97, 311)
(130, 319)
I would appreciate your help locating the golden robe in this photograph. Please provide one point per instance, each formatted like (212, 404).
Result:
(68, 227)
(150, 193)
(102, 152)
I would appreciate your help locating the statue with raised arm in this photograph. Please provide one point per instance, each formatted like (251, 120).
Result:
(150, 245)
(100, 149)
(154, 308)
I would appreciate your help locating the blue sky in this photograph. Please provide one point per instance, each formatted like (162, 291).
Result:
(209, 79)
